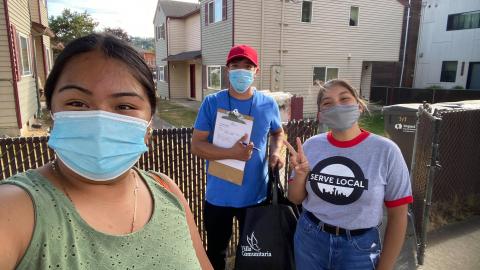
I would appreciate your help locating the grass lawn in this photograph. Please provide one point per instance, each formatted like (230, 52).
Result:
(181, 116)
(373, 123)
(177, 115)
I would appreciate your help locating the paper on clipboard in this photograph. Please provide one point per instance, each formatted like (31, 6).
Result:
(229, 128)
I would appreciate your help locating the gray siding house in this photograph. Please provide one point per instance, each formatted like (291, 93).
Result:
(301, 43)
(178, 50)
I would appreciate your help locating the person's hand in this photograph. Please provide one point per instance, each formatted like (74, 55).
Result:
(242, 151)
(298, 160)
(276, 160)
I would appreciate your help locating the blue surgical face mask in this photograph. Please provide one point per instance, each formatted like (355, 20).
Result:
(98, 145)
(241, 79)
(340, 117)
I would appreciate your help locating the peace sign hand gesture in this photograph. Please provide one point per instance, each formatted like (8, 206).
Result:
(298, 160)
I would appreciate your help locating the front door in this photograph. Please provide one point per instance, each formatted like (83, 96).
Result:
(192, 81)
(473, 80)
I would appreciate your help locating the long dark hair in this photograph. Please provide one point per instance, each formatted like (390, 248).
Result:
(110, 46)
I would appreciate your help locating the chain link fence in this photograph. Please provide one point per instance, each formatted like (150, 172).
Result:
(445, 169)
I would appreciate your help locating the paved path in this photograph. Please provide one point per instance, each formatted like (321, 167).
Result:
(159, 123)
(192, 104)
(454, 247)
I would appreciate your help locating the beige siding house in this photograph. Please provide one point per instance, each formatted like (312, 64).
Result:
(302, 43)
(25, 60)
(178, 50)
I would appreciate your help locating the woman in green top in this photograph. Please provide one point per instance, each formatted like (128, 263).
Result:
(90, 208)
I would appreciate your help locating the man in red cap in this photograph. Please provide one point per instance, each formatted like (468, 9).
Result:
(224, 199)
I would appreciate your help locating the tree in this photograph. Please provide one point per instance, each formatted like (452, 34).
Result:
(71, 25)
(118, 32)
(147, 44)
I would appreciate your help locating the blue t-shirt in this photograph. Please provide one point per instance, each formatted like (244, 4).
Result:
(266, 118)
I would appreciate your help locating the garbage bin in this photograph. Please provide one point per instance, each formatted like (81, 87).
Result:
(400, 126)
(283, 100)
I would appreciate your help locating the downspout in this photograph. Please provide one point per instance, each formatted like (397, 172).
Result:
(281, 34)
(405, 43)
(34, 62)
(43, 45)
(14, 81)
(419, 45)
(262, 19)
(35, 71)
(168, 63)
(233, 22)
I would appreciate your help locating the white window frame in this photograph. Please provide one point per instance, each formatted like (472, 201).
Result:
(216, 17)
(311, 12)
(358, 16)
(28, 71)
(208, 77)
(161, 73)
(326, 72)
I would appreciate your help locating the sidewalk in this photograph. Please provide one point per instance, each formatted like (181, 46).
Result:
(158, 123)
(454, 247)
(192, 104)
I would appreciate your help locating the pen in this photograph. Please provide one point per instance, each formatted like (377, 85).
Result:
(253, 147)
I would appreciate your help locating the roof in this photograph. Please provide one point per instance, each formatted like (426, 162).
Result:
(184, 56)
(41, 29)
(177, 8)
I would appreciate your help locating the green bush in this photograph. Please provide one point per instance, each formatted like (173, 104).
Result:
(434, 87)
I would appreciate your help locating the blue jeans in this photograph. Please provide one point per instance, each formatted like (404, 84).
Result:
(319, 250)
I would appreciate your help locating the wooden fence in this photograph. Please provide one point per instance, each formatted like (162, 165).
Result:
(169, 153)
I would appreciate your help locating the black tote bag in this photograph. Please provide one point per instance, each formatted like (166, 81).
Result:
(266, 241)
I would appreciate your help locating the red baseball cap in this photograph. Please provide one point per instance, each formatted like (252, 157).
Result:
(243, 51)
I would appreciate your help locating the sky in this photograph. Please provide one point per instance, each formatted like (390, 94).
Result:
(133, 16)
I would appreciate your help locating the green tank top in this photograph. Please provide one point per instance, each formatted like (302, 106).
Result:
(63, 240)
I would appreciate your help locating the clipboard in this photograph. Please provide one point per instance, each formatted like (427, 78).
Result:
(230, 126)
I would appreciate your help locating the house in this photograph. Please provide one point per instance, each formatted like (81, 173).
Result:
(149, 58)
(448, 53)
(302, 43)
(26, 59)
(178, 51)
(400, 74)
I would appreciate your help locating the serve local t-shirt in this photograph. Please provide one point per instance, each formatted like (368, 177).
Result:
(350, 181)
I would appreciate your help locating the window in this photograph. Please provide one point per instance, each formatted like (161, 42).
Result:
(467, 20)
(324, 74)
(214, 77)
(353, 16)
(211, 13)
(449, 71)
(216, 11)
(307, 11)
(162, 31)
(25, 55)
(161, 73)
